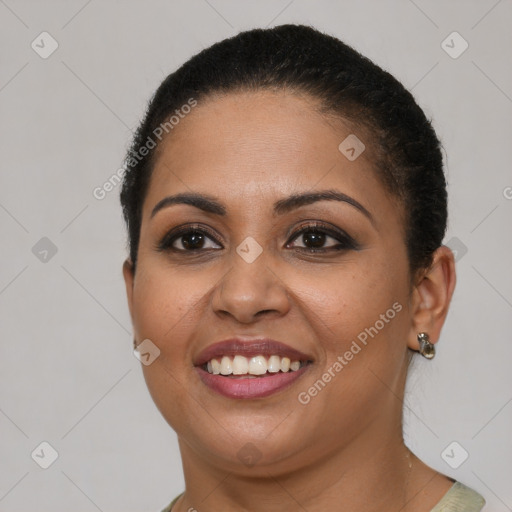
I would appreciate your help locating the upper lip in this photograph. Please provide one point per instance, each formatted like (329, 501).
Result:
(249, 348)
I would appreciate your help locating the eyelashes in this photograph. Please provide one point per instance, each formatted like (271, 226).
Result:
(197, 239)
(318, 232)
(192, 235)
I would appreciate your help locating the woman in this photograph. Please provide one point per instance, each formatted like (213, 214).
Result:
(286, 206)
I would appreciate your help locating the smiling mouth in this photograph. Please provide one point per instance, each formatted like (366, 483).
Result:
(245, 368)
(239, 366)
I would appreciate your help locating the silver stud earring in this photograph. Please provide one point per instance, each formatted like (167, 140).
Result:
(427, 349)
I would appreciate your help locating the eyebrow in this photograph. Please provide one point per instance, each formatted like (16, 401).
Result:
(211, 205)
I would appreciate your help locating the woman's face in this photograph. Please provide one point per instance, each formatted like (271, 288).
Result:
(250, 273)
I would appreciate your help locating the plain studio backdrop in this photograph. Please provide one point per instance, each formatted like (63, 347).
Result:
(74, 82)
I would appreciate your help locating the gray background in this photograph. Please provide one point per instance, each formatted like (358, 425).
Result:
(68, 375)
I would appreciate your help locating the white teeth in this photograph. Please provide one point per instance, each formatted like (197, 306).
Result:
(215, 366)
(226, 366)
(274, 364)
(294, 365)
(257, 365)
(240, 365)
(285, 364)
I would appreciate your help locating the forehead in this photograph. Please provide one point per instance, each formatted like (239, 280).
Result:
(260, 146)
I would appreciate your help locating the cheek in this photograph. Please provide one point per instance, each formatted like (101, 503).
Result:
(360, 318)
(347, 301)
(165, 299)
(167, 307)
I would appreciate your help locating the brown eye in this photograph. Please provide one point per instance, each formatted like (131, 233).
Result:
(192, 240)
(188, 240)
(314, 238)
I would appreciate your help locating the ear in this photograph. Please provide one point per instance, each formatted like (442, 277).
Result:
(431, 297)
(129, 276)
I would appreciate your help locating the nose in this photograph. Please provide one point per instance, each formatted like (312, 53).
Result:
(249, 291)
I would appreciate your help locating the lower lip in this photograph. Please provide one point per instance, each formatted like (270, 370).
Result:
(250, 388)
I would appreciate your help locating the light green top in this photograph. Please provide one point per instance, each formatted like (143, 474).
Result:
(459, 498)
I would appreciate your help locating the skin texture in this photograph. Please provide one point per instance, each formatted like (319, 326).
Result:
(249, 150)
